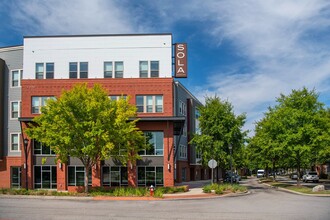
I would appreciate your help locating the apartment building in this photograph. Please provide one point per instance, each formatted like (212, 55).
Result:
(138, 66)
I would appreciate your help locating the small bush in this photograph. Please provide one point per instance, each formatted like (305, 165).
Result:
(221, 188)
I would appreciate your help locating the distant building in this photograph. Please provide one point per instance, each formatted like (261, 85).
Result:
(139, 66)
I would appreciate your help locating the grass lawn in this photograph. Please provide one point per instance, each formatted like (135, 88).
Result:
(301, 189)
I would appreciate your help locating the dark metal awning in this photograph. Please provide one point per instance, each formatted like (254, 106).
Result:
(26, 119)
(178, 122)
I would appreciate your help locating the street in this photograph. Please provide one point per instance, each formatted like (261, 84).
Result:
(261, 203)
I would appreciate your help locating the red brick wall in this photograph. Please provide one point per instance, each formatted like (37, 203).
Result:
(179, 166)
(5, 165)
(61, 177)
(129, 87)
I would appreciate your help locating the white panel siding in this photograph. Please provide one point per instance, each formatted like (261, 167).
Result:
(95, 50)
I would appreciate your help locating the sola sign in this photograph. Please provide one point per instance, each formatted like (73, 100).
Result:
(181, 60)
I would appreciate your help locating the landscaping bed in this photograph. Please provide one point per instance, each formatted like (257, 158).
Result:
(224, 188)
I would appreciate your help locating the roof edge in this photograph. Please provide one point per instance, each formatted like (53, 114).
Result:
(98, 35)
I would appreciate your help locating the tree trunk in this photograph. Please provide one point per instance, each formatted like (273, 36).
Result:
(86, 178)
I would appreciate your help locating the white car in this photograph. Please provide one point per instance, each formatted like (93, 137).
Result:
(311, 176)
(260, 173)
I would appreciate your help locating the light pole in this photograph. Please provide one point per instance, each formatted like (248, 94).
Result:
(26, 143)
(231, 164)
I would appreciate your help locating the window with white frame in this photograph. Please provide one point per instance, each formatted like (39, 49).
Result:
(149, 103)
(45, 177)
(198, 157)
(182, 108)
(16, 76)
(117, 97)
(154, 142)
(150, 175)
(41, 149)
(14, 142)
(197, 127)
(14, 109)
(40, 70)
(15, 177)
(76, 176)
(73, 70)
(119, 69)
(183, 151)
(108, 69)
(149, 69)
(38, 102)
(114, 176)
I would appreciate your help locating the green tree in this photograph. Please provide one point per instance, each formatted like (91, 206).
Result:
(219, 128)
(84, 123)
(295, 131)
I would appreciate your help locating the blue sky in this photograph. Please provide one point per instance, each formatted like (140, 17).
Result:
(247, 51)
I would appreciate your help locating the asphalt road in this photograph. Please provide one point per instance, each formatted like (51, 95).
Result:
(261, 203)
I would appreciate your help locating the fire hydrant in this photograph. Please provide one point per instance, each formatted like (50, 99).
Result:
(152, 189)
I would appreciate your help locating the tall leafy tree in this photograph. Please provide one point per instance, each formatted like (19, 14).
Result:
(84, 123)
(219, 127)
(295, 130)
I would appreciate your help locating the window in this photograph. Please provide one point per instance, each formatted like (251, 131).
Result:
(38, 102)
(117, 97)
(143, 69)
(76, 176)
(14, 142)
(148, 176)
(73, 70)
(155, 143)
(183, 151)
(198, 157)
(182, 108)
(16, 76)
(39, 70)
(41, 149)
(45, 177)
(114, 176)
(119, 69)
(108, 69)
(15, 173)
(14, 110)
(150, 104)
(154, 68)
(183, 174)
(83, 70)
(49, 70)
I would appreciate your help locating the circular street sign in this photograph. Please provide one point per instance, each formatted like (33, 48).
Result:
(212, 164)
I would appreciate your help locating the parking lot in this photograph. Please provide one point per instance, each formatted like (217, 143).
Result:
(286, 179)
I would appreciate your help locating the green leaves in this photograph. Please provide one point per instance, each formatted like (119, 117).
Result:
(219, 127)
(293, 131)
(84, 123)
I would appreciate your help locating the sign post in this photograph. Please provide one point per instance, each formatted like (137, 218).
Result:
(212, 164)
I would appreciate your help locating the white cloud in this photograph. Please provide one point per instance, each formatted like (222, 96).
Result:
(38, 17)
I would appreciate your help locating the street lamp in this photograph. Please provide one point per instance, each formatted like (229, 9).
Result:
(26, 143)
(231, 164)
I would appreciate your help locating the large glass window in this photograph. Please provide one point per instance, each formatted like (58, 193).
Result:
(16, 76)
(14, 110)
(39, 70)
(41, 149)
(148, 176)
(114, 176)
(108, 69)
(155, 143)
(76, 175)
(119, 69)
(45, 177)
(49, 70)
(14, 142)
(143, 69)
(38, 102)
(154, 68)
(15, 173)
(73, 70)
(149, 104)
(83, 70)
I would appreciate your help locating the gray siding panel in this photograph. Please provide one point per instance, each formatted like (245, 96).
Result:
(13, 58)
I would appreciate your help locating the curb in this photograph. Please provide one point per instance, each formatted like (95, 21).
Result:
(294, 192)
(132, 198)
